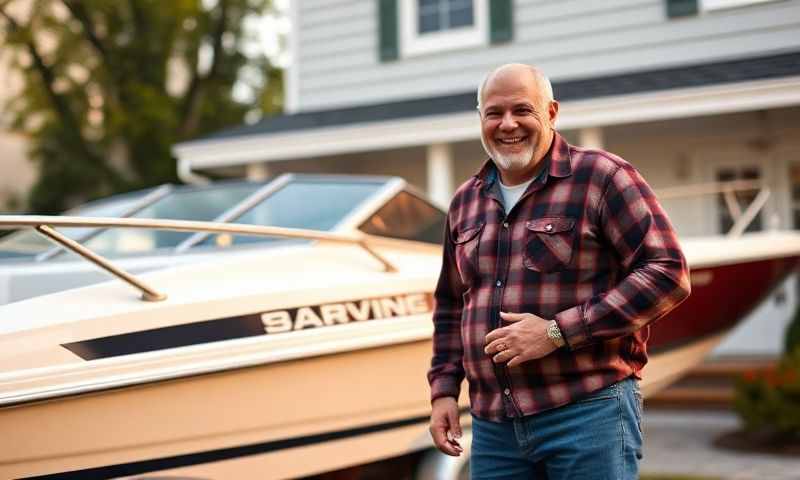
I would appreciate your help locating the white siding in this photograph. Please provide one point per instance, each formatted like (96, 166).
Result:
(338, 62)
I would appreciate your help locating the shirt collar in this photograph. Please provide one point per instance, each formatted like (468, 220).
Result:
(557, 159)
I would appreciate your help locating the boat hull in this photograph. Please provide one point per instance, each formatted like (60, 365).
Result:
(294, 406)
(282, 420)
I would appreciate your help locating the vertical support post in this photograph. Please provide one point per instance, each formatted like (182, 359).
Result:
(439, 163)
(592, 137)
(257, 172)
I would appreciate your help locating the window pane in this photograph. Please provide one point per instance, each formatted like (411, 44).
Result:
(460, 13)
(302, 204)
(429, 16)
(407, 217)
(199, 204)
(438, 15)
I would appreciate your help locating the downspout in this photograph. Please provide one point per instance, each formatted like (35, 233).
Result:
(186, 175)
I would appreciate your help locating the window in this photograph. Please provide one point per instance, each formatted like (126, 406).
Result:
(440, 15)
(794, 180)
(709, 5)
(742, 198)
(407, 217)
(690, 8)
(436, 25)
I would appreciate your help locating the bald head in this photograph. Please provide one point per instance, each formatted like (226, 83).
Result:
(522, 72)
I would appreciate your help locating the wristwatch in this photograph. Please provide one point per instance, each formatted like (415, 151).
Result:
(554, 334)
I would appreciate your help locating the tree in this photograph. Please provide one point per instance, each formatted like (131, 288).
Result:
(111, 85)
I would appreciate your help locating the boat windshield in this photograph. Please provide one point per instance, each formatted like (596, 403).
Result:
(408, 217)
(291, 201)
(28, 243)
(204, 203)
(307, 203)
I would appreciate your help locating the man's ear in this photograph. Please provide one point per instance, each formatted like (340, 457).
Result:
(552, 112)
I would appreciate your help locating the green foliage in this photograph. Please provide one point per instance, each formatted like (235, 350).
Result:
(770, 402)
(110, 86)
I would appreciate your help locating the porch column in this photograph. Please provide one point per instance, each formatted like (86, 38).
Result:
(591, 137)
(440, 173)
(257, 172)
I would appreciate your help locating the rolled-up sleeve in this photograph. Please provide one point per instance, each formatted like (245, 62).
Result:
(656, 276)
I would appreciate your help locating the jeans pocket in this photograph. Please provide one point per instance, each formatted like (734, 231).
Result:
(605, 393)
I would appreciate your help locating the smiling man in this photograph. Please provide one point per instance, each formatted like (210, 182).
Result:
(556, 260)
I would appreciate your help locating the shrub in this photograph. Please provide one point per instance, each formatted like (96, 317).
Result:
(769, 402)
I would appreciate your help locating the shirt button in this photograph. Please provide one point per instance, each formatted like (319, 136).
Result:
(548, 227)
(507, 391)
(499, 283)
(505, 224)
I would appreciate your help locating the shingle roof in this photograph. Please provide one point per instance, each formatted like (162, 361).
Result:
(738, 70)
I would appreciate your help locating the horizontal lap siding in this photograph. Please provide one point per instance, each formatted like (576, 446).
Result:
(339, 66)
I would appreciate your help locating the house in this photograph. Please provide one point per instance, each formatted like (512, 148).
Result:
(689, 91)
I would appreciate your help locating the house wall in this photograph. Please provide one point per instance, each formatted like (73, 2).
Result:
(408, 163)
(337, 60)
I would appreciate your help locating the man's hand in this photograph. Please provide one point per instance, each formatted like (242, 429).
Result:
(525, 339)
(445, 426)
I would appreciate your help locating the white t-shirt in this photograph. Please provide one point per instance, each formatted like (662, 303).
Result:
(511, 195)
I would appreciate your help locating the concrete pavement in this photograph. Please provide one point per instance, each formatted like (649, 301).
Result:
(681, 442)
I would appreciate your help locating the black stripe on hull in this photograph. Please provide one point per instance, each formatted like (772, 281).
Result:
(155, 465)
(252, 325)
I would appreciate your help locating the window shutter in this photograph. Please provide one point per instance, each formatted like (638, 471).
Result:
(681, 8)
(501, 21)
(387, 25)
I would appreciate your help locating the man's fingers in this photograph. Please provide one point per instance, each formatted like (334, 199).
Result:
(512, 317)
(445, 426)
(495, 334)
(443, 443)
(515, 361)
(504, 356)
(496, 346)
(455, 423)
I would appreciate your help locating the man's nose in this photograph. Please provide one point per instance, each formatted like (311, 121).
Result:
(508, 122)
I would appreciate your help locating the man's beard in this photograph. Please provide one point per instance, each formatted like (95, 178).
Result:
(514, 161)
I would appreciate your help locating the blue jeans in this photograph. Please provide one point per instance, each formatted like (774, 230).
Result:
(596, 437)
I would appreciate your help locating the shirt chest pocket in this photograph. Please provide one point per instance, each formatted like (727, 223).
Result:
(465, 242)
(550, 244)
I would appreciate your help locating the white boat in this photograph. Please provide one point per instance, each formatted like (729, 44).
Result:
(286, 359)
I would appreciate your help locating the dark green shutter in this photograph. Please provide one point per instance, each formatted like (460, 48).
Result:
(681, 8)
(501, 21)
(387, 24)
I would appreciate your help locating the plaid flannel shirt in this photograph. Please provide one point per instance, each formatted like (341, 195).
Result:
(587, 245)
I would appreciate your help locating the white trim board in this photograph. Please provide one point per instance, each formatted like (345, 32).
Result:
(291, 74)
(418, 131)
